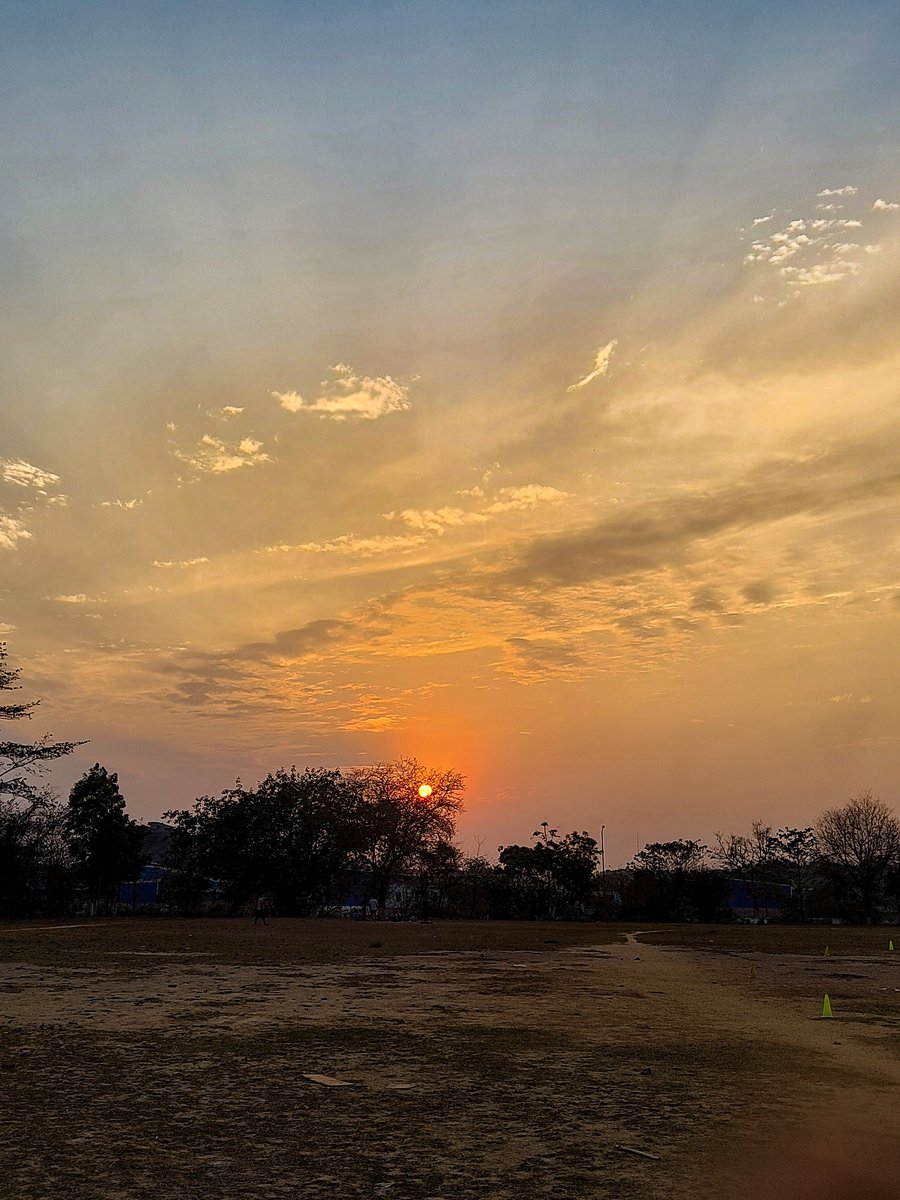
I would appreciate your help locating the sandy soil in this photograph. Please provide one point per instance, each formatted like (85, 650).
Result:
(168, 1061)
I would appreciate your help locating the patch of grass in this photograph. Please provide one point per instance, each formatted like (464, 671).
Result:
(778, 939)
(132, 944)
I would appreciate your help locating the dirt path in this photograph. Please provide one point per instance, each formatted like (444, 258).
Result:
(732, 995)
(525, 1073)
(835, 1137)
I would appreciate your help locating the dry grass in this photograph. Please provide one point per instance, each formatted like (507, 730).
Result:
(82, 944)
(148, 1058)
(777, 939)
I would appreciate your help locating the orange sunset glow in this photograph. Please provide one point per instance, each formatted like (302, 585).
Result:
(513, 387)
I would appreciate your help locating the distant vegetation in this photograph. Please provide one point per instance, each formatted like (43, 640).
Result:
(319, 841)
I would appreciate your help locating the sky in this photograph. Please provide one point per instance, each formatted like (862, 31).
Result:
(512, 385)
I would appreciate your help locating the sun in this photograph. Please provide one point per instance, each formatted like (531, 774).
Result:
(425, 790)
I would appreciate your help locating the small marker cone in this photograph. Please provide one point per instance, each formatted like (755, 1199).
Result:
(826, 1007)
(890, 945)
(753, 972)
(827, 953)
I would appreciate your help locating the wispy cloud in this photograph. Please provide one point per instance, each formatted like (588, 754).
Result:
(349, 395)
(512, 499)
(833, 271)
(41, 488)
(885, 206)
(436, 520)
(80, 598)
(349, 543)
(12, 531)
(213, 456)
(532, 660)
(125, 505)
(600, 368)
(184, 562)
(659, 535)
(814, 250)
(24, 474)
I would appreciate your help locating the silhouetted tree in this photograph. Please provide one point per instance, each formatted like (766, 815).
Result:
(574, 860)
(33, 866)
(749, 860)
(400, 822)
(293, 837)
(672, 881)
(21, 762)
(438, 877)
(105, 844)
(35, 870)
(524, 887)
(796, 858)
(477, 877)
(862, 839)
(555, 877)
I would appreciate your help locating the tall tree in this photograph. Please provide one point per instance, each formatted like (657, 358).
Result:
(748, 859)
(34, 861)
(672, 881)
(796, 857)
(33, 870)
(524, 886)
(408, 808)
(293, 837)
(555, 877)
(106, 845)
(22, 762)
(573, 862)
(863, 839)
(477, 879)
(438, 877)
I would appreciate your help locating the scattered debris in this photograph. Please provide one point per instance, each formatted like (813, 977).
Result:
(639, 1153)
(328, 1080)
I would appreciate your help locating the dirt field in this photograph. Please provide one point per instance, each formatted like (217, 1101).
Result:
(489, 1061)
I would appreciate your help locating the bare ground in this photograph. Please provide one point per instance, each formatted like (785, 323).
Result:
(486, 1061)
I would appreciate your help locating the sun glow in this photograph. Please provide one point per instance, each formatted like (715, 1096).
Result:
(425, 791)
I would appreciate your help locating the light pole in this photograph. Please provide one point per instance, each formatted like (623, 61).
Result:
(603, 869)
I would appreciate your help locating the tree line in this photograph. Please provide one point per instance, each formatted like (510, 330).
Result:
(313, 840)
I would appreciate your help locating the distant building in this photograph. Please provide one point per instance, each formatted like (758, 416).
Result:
(771, 900)
(146, 890)
(157, 841)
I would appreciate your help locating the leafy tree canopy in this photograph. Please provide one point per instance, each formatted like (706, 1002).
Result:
(105, 843)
